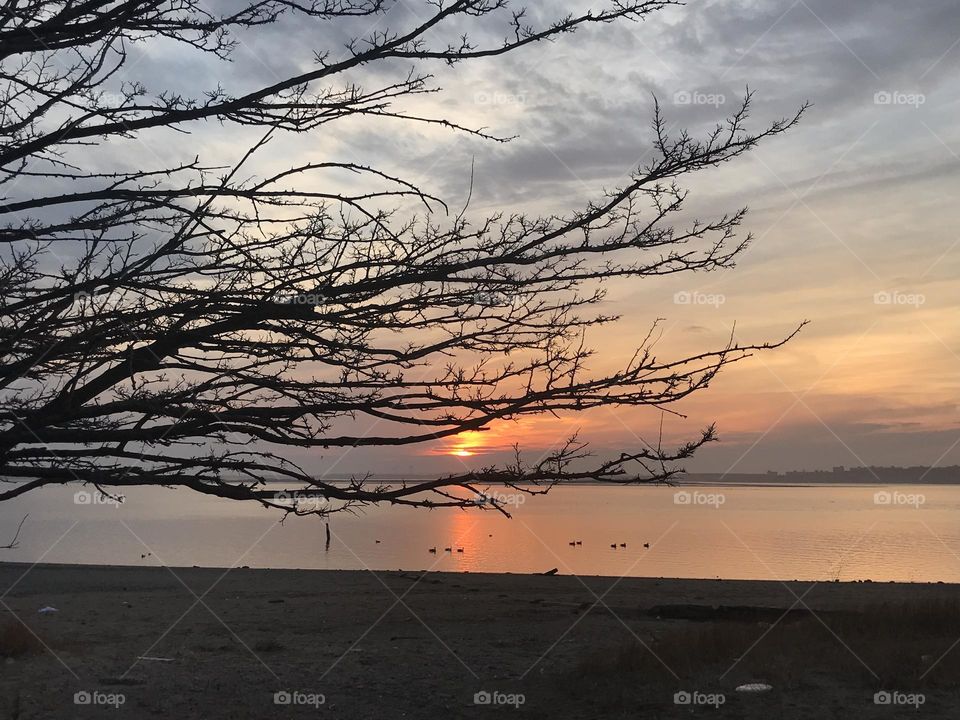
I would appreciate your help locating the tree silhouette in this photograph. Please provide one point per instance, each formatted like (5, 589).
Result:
(180, 324)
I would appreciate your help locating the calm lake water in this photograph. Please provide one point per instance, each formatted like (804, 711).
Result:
(908, 533)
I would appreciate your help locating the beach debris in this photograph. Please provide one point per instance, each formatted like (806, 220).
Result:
(47, 610)
(731, 613)
(148, 658)
(421, 577)
(754, 687)
(552, 571)
(120, 681)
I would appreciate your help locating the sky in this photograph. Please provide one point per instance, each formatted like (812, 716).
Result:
(853, 212)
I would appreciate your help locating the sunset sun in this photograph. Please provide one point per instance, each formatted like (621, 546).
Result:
(467, 444)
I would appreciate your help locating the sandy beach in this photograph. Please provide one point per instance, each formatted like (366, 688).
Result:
(252, 643)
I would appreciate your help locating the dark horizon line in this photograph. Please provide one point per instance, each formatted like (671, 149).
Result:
(873, 472)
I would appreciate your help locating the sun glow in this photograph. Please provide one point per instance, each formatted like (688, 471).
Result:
(467, 444)
(502, 437)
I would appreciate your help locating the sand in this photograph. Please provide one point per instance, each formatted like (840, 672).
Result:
(345, 644)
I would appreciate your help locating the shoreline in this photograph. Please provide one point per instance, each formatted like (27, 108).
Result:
(220, 642)
(78, 567)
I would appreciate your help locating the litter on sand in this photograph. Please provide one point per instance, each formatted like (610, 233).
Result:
(754, 688)
(47, 610)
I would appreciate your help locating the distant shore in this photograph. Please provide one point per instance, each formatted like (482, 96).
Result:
(840, 476)
(220, 643)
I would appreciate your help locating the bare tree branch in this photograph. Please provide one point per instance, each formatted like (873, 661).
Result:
(186, 325)
(16, 536)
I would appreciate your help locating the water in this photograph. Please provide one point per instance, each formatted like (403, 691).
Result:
(807, 533)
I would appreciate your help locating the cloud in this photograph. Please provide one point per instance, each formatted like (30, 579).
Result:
(860, 198)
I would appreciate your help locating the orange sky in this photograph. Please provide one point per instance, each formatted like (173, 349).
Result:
(853, 213)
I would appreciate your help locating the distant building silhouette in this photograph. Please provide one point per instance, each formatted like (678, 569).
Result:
(840, 475)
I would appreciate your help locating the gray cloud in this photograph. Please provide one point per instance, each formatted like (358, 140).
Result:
(883, 177)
